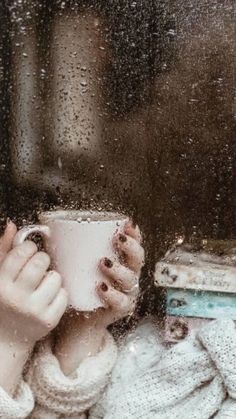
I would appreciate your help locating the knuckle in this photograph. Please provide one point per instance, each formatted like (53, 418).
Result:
(140, 254)
(29, 247)
(25, 249)
(7, 295)
(124, 304)
(41, 259)
(134, 286)
(55, 278)
(20, 251)
(30, 244)
(46, 322)
(132, 278)
(35, 311)
(51, 321)
(129, 306)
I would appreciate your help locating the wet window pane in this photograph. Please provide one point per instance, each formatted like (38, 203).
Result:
(117, 160)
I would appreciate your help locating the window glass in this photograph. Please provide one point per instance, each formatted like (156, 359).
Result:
(127, 107)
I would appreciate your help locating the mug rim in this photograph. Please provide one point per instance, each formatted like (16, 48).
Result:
(81, 216)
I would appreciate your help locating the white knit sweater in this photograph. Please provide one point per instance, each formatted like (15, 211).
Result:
(195, 379)
(49, 394)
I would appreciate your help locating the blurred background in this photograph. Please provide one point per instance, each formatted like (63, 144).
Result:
(125, 105)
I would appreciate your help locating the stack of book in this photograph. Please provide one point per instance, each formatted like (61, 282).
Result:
(196, 292)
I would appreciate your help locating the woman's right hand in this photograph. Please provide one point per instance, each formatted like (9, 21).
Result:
(120, 288)
(81, 334)
(32, 300)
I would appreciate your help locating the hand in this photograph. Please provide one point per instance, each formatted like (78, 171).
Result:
(120, 289)
(32, 300)
(81, 334)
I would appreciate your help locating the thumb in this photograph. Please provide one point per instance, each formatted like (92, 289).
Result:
(7, 239)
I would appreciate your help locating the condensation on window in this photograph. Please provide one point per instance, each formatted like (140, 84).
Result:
(128, 107)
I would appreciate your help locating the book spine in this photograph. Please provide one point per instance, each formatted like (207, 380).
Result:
(205, 276)
(205, 304)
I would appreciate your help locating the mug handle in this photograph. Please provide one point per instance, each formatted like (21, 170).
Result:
(23, 234)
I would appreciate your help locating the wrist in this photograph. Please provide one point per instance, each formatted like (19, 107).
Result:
(17, 343)
(73, 346)
(13, 355)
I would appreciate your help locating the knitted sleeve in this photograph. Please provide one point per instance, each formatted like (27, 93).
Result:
(18, 407)
(58, 395)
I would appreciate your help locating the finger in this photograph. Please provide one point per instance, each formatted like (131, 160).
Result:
(130, 251)
(34, 270)
(115, 299)
(49, 288)
(57, 308)
(7, 239)
(133, 230)
(16, 260)
(120, 274)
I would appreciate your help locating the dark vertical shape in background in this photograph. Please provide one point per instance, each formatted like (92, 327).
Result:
(4, 114)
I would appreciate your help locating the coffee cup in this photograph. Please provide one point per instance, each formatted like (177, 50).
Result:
(76, 241)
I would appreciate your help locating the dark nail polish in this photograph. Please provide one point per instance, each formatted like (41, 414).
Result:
(122, 238)
(104, 287)
(107, 262)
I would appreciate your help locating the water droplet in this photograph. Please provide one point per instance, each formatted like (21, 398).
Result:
(59, 162)
(42, 73)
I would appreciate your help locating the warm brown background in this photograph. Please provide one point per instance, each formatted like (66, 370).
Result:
(166, 92)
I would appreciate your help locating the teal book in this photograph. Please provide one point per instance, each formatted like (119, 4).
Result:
(204, 304)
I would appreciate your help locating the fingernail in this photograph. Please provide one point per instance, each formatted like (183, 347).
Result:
(104, 287)
(122, 238)
(107, 262)
(8, 220)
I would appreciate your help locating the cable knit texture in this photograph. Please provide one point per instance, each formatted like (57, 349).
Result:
(19, 407)
(195, 379)
(58, 395)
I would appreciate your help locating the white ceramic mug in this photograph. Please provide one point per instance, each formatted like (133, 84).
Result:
(76, 241)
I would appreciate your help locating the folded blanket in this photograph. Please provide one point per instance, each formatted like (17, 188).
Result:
(195, 379)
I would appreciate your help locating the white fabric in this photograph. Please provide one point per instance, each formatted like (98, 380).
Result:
(195, 379)
(141, 350)
(18, 407)
(59, 396)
